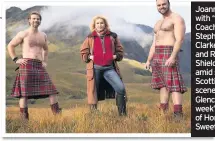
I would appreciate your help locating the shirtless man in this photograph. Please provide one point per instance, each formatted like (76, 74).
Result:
(169, 34)
(32, 80)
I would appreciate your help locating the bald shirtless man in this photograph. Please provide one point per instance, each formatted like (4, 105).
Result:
(169, 34)
(32, 80)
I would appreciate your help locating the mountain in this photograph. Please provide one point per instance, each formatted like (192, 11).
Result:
(66, 35)
(145, 28)
(12, 12)
(15, 14)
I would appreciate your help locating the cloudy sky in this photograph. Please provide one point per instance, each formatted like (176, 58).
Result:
(137, 12)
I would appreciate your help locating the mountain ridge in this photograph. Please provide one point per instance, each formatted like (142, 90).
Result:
(135, 48)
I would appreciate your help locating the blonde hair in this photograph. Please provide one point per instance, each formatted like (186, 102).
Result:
(92, 25)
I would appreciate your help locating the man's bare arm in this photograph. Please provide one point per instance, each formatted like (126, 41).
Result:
(45, 50)
(179, 32)
(18, 39)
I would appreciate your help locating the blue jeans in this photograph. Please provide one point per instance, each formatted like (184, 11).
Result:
(110, 76)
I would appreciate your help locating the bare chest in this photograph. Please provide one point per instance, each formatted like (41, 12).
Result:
(164, 25)
(34, 41)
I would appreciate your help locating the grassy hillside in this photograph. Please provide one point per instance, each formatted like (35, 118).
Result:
(67, 71)
(68, 74)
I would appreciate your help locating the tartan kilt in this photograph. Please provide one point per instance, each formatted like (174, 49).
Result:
(163, 76)
(32, 81)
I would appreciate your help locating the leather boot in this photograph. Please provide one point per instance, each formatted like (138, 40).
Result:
(178, 116)
(24, 114)
(121, 104)
(55, 109)
(93, 107)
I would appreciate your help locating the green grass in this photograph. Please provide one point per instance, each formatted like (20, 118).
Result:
(67, 72)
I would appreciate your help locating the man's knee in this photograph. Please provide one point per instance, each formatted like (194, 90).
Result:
(177, 93)
(163, 89)
(23, 100)
(53, 96)
(53, 99)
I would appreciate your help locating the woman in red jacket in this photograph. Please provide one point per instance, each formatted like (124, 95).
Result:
(100, 50)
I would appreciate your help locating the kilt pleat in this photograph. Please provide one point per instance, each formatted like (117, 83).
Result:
(33, 81)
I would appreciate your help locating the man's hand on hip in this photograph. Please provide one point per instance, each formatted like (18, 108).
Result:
(21, 61)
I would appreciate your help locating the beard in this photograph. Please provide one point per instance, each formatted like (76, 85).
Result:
(164, 11)
(35, 25)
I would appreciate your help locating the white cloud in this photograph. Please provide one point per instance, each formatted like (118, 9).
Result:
(71, 16)
(146, 13)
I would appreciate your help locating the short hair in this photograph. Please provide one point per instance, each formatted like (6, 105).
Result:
(34, 13)
(167, 1)
(92, 25)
